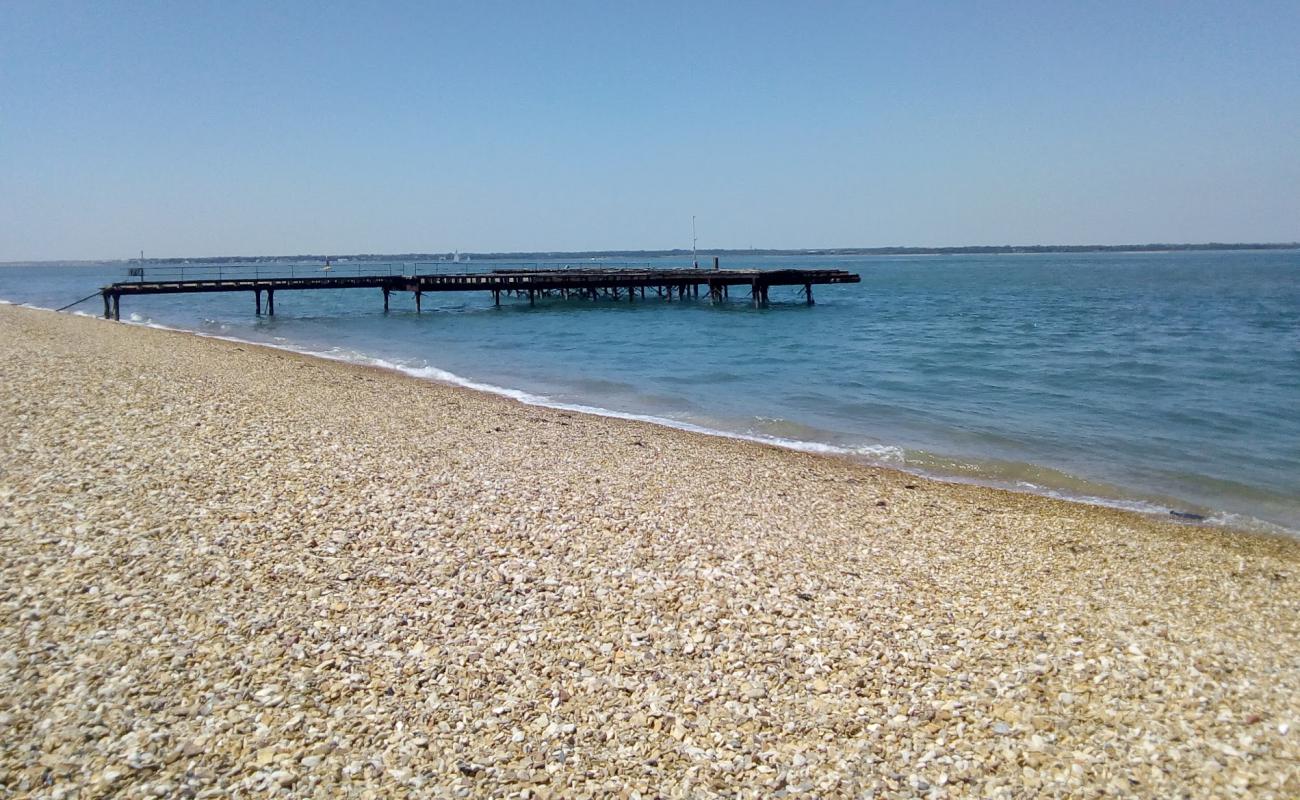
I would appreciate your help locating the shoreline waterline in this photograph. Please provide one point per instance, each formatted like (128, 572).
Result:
(1111, 377)
(882, 456)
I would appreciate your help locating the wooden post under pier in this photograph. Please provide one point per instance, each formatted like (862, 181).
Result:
(112, 305)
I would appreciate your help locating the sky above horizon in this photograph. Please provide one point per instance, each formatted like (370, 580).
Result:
(205, 129)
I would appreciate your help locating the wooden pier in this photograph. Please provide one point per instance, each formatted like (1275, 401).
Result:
(586, 283)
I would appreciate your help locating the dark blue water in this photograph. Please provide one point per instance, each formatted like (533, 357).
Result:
(1155, 380)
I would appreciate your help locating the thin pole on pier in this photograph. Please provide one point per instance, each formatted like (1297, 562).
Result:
(694, 257)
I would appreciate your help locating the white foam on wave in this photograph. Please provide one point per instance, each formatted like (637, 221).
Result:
(889, 456)
(1140, 506)
(1225, 519)
(528, 398)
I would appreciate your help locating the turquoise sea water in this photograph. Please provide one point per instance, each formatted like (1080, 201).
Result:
(1155, 381)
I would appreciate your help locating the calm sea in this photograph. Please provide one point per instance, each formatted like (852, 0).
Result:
(1154, 381)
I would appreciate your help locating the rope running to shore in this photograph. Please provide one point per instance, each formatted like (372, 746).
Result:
(79, 302)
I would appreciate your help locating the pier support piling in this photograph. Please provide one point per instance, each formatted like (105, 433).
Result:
(270, 302)
(117, 307)
(807, 290)
(417, 302)
(108, 307)
(386, 292)
(257, 302)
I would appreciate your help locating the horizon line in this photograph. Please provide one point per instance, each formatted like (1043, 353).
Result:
(658, 253)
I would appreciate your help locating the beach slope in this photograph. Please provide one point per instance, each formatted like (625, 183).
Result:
(231, 569)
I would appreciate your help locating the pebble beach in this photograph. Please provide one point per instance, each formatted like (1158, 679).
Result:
(230, 570)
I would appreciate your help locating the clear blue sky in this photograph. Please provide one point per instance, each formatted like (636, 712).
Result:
(189, 128)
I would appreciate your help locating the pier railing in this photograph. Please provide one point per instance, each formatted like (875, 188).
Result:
(272, 270)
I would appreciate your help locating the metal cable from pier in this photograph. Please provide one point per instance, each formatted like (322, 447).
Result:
(79, 302)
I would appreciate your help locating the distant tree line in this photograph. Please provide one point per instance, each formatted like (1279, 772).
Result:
(833, 251)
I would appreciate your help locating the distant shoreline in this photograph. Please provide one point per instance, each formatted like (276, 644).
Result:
(704, 254)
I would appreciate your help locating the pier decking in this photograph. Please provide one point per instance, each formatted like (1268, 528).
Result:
(589, 283)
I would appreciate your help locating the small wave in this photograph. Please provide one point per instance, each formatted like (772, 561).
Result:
(1248, 523)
